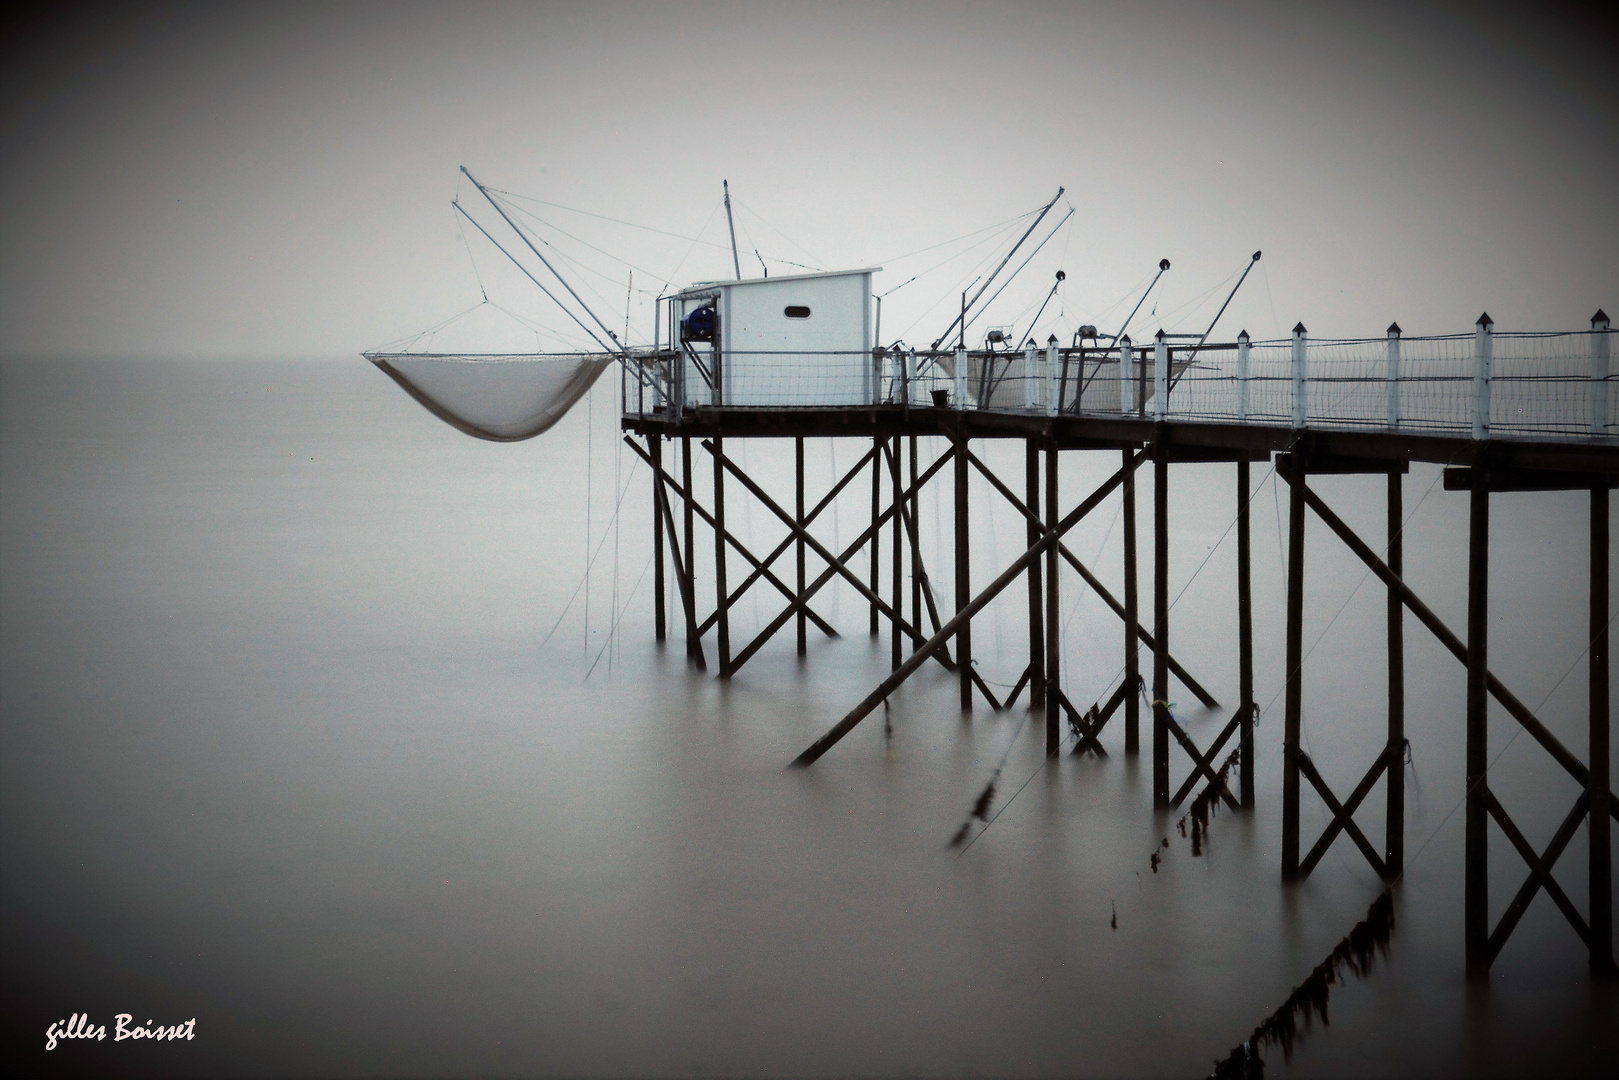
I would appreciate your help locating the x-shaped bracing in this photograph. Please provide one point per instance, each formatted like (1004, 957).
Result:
(1203, 761)
(1088, 726)
(1343, 814)
(1540, 872)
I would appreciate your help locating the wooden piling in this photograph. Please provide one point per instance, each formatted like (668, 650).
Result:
(1394, 835)
(876, 535)
(1037, 642)
(1160, 619)
(964, 638)
(1295, 671)
(1053, 622)
(693, 640)
(722, 597)
(659, 615)
(916, 554)
(1245, 640)
(1476, 887)
(1601, 855)
(897, 572)
(1132, 620)
(798, 473)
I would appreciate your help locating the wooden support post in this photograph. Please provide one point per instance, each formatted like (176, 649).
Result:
(660, 619)
(1394, 835)
(722, 598)
(798, 471)
(1053, 634)
(1037, 637)
(1132, 614)
(876, 535)
(964, 633)
(916, 554)
(1295, 676)
(1160, 619)
(1601, 881)
(1476, 890)
(1245, 639)
(897, 572)
(694, 648)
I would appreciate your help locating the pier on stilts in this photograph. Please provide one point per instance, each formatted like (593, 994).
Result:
(1503, 413)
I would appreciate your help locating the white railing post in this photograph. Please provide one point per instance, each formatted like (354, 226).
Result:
(1242, 376)
(1051, 375)
(1599, 373)
(959, 394)
(910, 373)
(1127, 382)
(1483, 352)
(1031, 386)
(1394, 374)
(1160, 375)
(1301, 375)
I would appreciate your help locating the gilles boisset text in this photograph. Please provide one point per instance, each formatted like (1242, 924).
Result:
(79, 1027)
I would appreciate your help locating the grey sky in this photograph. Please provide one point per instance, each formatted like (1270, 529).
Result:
(232, 180)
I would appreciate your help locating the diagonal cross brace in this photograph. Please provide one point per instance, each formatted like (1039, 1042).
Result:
(977, 604)
(1205, 761)
(1343, 817)
(1540, 872)
(1339, 814)
(1201, 764)
(760, 568)
(688, 597)
(837, 566)
(1142, 632)
(1519, 711)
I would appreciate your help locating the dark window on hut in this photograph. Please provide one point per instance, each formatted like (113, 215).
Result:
(796, 311)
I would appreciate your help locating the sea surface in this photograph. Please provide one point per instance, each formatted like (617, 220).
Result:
(308, 733)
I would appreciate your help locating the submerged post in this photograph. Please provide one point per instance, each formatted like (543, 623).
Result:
(1394, 833)
(1295, 663)
(659, 615)
(876, 533)
(1301, 376)
(1037, 637)
(1245, 634)
(693, 642)
(1242, 383)
(916, 554)
(1483, 350)
(1160, 617)
(1476, 891)
(1393, 376)
(897, 569)
(721, 596)
(1053, 610)
(1132, 614)
(1599, 373)
(964, 596)
(1601, 855)
(798, 519)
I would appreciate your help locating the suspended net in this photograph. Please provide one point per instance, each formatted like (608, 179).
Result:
(502, 397)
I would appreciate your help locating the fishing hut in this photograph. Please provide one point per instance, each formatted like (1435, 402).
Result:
(801, 356)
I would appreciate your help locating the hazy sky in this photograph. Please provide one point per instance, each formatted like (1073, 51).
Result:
(271, 180)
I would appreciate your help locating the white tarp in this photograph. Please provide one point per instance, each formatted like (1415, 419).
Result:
(502, 398)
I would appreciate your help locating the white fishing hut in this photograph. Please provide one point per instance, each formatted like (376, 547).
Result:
(798, 339)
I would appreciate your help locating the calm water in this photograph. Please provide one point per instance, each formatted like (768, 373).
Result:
(285, 750)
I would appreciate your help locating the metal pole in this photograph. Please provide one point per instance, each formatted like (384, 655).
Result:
(1245, 638)
(1476, 898)
(1601, 884)
(692, 644)
(964, 634)
(736, 263)
(798, 462)
(722, 596)
(1037, 636)
(1394, 842)
(659, 616)
(1132, 644)
(965, 303)
(1053, 612)
(897, 572)
(1160, 619)
(1295, 673)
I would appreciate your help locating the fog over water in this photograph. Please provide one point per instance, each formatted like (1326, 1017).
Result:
(285, 750)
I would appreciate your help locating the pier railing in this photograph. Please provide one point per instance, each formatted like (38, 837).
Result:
(1514, 385)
